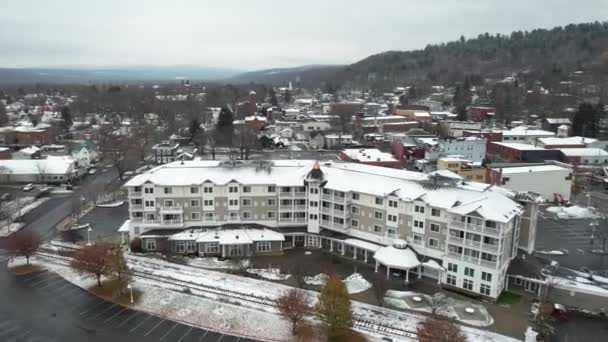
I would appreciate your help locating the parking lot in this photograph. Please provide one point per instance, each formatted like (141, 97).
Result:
(93, 313)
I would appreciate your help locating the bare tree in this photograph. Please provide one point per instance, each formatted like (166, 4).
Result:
(297, 274)
(438, 303)
(380, 286)
(295, 305)
(93, 260)
(24, 243)
(435, 330)
(41, 168)
(118, 268)
(114, 147)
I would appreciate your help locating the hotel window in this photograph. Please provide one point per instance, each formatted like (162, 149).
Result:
(355, 196)
(246, 202)
(313, 216)
(393, 204)
(272, 188)
(419, 209)
(150, 244)
(392, 218)
(435, 212)
(169, 203)
(149, 190)
(180, 247)
(234, 216)
(485, 276)
(354, 223)
(485, 289)
(285, 189)
(377, 229)
(195, 203)
(379, 201)
(233, 202)
(195, 216)
(271, 215)
(469, 272)
(467, 284)
(418, 239)
(451, 280)
(314, 204)
(212, 248)
(452, 267)
(233, 189)
(434, 243)
(194, 189)
(378, 215)
(208, 189)
(354, 209)
(208, 203)
(149, 203)
(246, 189)
(246, 214)
(209, 216)
(314, 190)
(419, 224)
(168, 190)
(263, 246)
(391, 232)
(190, 246)
(435, 228)
(271, 202)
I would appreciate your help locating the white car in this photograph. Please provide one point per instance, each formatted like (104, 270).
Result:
(29, 187)
(92, 171)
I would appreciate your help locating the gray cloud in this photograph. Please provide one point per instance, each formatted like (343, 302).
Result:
(256, 34)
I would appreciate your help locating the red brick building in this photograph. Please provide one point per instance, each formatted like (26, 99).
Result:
(480, 113)
(5, 153)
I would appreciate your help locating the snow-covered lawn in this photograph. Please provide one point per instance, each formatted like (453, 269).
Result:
(317, 280)
(8, 227)
(215, 263)
(239, 315)
(573, 212)
(269, 273)
(11, 228)
(355, 283)
(111, 205)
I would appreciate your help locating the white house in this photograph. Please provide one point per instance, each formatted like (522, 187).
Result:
(85, 154)
(333, 140)
(544, 180)
(470, 148)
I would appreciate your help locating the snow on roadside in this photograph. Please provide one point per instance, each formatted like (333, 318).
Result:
(553, 252)
(215, 263)
(269, 273)
(317, 280)
(111, 205)
(573, 212)
(11, 228)
(355, 283)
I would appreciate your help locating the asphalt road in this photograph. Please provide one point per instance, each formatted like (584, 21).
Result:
(581, 329)
(44, 307)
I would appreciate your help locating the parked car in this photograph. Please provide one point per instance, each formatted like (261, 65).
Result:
(29, 187)
(92, 171)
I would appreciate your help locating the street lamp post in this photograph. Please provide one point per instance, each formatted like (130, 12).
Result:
(89, 230)
(131, 291)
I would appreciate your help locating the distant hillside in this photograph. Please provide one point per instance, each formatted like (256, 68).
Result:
(309, 75)
(135, 73)
(542, 51)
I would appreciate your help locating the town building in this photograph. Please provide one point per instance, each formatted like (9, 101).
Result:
(544, 180)
(39, 135)
(335, 140)
(369, 156)
(53, 170)
(165, 152)
(455, 129)
(584, 156)
(5, 153)
(480, 113)
(519, 152)
(462, 234)
(464, 168)
(523, 134)
(552, 124)
(470, 148)
(315, 126)
(559, 143)
(85, 153)
(31, 152)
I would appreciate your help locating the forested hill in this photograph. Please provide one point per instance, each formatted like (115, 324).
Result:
(548, 52)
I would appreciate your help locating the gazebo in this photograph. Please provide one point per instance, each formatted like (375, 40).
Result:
(398, 256)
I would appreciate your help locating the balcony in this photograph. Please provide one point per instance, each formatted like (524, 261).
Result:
(172, 222)
(299, 193)
(326, 223)
(475, 227)
(136, 206)
(471, 259)
(454, 255)
(137, 219)
(455, 239)
(457, 224)
(135, 193)
(301, 220)
(491, 231)
(287, 207)
(488, 263)
(326, 210)
(299, 208)
(286, 219)
(209, 219)
(172, 209)
(472, 243)
(489, 247)
(327, 197)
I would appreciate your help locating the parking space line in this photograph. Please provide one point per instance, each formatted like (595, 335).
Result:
(106, 309)
(184, 335)
(218, 340)
(37, 276)
(128, 319)
(156, 326)
(67, 283)
(43, 280)
(46, 286)
(168, 331)
(203, 335)
(140, 323)
(93, 307)
(32, 275)
(116, 314)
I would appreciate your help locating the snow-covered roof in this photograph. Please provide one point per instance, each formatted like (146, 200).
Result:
(446, 173)
(255, 117)
(228, 236)
(403, 259)
(489, 201)
(338, 136)
(52, 165)
(368, 154)
(433, 264)
(535, 168)
(556, 121)
(566, 141)
(30, 150)
(362, 244)
(518, 146)
(584, 152)
(523, 131)
(124, 227)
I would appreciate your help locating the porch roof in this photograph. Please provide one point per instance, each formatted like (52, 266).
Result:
(372, 247)
(403, 259)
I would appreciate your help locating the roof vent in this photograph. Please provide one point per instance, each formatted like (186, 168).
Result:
(236, 237)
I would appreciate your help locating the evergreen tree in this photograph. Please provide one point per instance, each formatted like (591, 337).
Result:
(3, 116)
(586, 120)
(334, 308)
(225, 126)
(287, 96)
(193, 128)
(66, 116)
(273, 97)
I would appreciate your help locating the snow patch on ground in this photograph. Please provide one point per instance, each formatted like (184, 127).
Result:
(269, 273)
(215, 263)
(554, 252)
(9, 226)
(573, 212)
(111, 205)
(317, 280)
(355, 283)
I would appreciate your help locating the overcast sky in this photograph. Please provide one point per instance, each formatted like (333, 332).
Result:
(252, 34)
